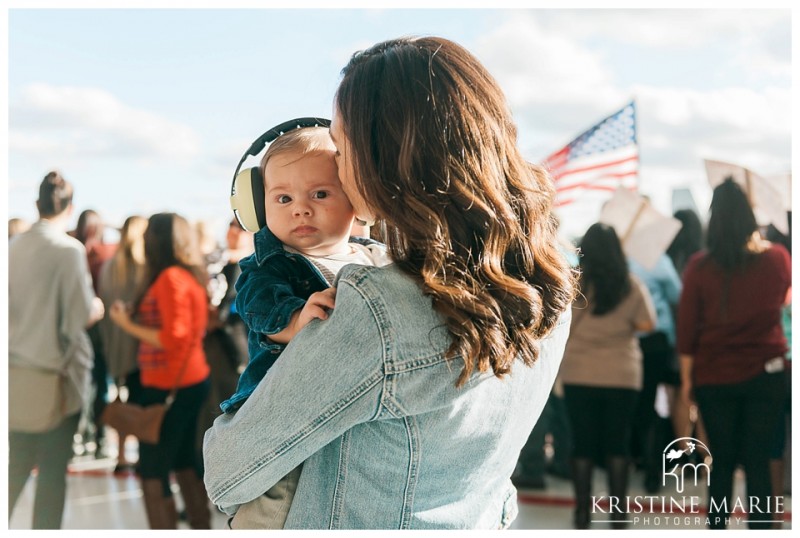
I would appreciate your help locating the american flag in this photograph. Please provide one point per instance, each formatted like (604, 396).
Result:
(600, 160)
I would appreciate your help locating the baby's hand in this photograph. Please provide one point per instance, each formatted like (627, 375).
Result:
(316, 307)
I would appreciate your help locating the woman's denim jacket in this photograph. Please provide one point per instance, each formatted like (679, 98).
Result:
(273, 284)
(368, 402)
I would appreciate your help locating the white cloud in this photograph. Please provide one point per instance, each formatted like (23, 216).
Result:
(534, 64)
(749, 127)
(558, 83)
(753, 40)
(739, 108)
(681, 28)
(81, 121)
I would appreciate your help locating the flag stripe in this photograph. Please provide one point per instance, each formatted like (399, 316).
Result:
(559, 202)
(607, 173)
(601, 159)
(588, 184)
(567, 171)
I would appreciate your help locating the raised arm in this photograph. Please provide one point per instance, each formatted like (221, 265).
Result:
(264, 300)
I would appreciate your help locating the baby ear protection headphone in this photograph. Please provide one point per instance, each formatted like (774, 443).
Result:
(247, 190)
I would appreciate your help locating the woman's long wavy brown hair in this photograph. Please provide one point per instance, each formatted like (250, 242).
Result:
(436, 157)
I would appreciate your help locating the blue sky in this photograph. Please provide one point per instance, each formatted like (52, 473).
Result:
(150, 109)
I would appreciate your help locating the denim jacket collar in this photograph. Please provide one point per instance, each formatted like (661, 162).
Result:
(266, 245)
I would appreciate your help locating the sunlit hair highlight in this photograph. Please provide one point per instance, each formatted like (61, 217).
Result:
(436, 157)
(129, 258)
(301, 142)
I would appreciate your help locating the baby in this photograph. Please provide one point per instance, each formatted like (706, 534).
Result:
(287, 281)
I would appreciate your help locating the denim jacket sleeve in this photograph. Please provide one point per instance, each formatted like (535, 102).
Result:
(264, 298)
(306, 400)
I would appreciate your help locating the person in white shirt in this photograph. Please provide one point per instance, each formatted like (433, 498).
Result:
(51, 303)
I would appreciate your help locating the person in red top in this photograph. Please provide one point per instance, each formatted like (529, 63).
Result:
(171, 318)
(732, 349)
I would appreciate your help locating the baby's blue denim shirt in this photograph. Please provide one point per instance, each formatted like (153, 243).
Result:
(368, 403)
(273, 284)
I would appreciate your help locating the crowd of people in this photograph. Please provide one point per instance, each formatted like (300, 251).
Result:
(378, 352)
(159, 315)
(701, 327)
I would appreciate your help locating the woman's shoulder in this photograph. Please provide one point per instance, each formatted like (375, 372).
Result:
(779, 259)
(695, 261)
(778, 252)
(174, 272)
(176, 276)
(639, 286)
(373, 277)
(636, 280)
(389, 285)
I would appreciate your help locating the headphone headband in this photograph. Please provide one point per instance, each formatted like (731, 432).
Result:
(247, 188)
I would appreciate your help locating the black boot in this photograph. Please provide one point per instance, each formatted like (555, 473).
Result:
(618, 487)
(582, 483)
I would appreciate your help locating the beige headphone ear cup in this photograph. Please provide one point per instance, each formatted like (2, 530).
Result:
(247, 199)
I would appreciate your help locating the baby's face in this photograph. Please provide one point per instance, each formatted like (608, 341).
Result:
(305, 204)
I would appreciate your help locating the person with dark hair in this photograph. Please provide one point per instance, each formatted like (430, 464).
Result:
(171, 316)
(687, 241)
(50, 305)
(409, 404)
(732, 349)
(602, 368)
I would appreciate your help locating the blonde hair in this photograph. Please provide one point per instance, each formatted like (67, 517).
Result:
(304, 141)
(129, 259)
(17, 226)
(206, 241)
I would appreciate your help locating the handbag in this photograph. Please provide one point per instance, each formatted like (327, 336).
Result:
(144, 422)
